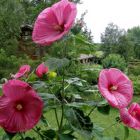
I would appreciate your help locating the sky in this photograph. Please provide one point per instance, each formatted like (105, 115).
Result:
(124, 13)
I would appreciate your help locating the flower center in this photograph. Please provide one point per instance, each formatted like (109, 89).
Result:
(113, 88)
(58, 28)
(19, 107)
(134, 113)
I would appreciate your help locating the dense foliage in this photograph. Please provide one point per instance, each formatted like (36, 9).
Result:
(114, 61)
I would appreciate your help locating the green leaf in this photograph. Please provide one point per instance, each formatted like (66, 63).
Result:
(97, 132)
(116, 138)
(4, 137)
(44, 120)
(104, 109)
(75, 81)
(49, 134)
(48, 96)
(77, 104)
(126, 132)
(79, 122)
(28, 138)
(50, 101)
(38, 84)
(97, 103)
(10, 135)
(81, 39)
(56, 63)
(106, 138)
(88, 104)
(66, 137)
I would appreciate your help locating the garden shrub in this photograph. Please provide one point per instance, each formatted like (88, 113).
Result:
(114, 61)
(10, 64)
(134, 67)
(136, 83)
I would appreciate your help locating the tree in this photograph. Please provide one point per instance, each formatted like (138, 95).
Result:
(134, 36)
(110, 38)
(125, 48)
(34, 7)
(11, 18)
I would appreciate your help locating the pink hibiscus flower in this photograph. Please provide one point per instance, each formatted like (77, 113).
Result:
(25, 69)
(20, 107)
(54, 22)
(115, 87)
(131, 116)
(41, 70)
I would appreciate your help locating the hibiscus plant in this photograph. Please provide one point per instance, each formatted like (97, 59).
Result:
(32, 93)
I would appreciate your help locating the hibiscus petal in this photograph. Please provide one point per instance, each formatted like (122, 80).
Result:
(6, 110)
(129, 120)
(115, 87)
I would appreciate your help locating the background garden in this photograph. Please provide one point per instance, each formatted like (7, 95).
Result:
(118, 48)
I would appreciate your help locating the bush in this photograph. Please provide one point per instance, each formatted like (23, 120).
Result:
(10, 64)
(114, 61)
(136, 83)
(134, 67)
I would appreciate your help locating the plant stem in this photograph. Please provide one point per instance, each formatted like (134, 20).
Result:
(62, 117)
(29, 76)
(91, 110)
(41, 136)
(56, 116)
(63, 89)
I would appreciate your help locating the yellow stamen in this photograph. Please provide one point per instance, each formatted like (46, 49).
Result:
(19, 107)
(114, 88)
(58, 28)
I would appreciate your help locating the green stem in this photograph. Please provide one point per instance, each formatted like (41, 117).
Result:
(63, 90)
(29, 76)
(41, 136)
(62, 117)
(91, 110)
(56, 116)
